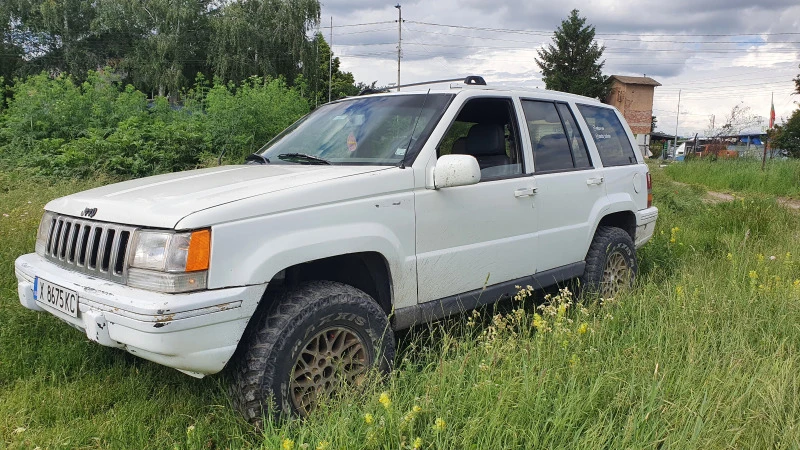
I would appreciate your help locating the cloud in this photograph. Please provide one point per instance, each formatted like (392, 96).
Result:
(676, 42)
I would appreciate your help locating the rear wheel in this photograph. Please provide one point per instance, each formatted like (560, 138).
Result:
(319, 338)
(610, 263)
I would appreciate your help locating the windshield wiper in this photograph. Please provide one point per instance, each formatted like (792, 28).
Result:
(256, 158)
(302, 158)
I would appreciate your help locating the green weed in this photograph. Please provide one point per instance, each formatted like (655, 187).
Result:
(702, 353)
(780, 177)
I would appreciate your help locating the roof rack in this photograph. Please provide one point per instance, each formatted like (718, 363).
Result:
(471, 80)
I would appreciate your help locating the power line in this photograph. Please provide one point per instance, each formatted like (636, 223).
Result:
(546, 32)
(362, 24)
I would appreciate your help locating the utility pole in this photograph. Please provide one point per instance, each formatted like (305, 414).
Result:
(677, 116)
(399, 40)
(766, 144)
(330, 63)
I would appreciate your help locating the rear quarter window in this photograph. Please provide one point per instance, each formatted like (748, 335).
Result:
(609, 136)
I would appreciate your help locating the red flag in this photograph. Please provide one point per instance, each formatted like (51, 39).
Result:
(772, 115)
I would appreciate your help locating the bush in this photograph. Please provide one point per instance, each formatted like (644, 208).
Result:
(101, 126)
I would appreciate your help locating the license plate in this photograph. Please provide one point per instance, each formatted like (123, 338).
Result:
(56, 297)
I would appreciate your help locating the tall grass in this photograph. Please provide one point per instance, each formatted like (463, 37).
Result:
(780, 177)
(703, 353)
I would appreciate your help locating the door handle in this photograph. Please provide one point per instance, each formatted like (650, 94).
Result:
(594, 181)
(524, 192)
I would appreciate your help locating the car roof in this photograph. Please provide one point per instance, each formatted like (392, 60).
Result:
(524, 92)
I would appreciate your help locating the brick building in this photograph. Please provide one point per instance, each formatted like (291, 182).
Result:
(633, 97)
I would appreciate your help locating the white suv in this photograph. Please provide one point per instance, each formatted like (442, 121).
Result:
(369, 215)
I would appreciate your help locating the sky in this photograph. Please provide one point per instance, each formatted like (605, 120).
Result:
(716, 53)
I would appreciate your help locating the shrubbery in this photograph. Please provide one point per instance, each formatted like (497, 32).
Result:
(65, 129)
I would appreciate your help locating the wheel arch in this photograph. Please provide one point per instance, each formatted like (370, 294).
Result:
(368, 271)
(625, 220)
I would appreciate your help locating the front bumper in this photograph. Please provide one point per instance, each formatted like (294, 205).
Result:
(195, 333)
(645, 225)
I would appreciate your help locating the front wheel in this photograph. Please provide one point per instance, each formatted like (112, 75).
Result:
(320, 337)
(610, 263)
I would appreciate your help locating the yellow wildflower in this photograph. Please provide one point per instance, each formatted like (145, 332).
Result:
(753, 275)
(539, 323)
(679, 290)
(368, 419)
(385, 400)
(796, 283)
(729, 256)
(760, 257)
(287, 444)
(416, 409)
(673, 234)
(439, 424)
(323, 445)
(417, 443)
(583, 328)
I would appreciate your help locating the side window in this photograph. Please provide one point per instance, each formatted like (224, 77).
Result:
(550, 143)
(612, 142)
(486, 128)
(575, 138)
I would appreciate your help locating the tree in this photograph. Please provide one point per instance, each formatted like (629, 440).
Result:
(54, 35)
(572, 62)
(159, 45)
(166, 40)
(653, 123)
(737, 121)
(797, 82)
(787, 136)
(262, 38)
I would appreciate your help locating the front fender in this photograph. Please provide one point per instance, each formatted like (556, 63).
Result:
(252, 251)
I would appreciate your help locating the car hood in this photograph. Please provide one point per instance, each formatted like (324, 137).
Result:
(162, 201)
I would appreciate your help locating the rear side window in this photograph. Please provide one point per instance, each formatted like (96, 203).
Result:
(557, 144)
(612, 142)
(574, 136)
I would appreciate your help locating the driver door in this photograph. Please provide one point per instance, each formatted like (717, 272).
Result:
(471, 237)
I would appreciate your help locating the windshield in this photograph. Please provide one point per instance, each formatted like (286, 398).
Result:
(360, 131)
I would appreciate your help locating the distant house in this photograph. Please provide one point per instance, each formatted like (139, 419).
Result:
(633, 97)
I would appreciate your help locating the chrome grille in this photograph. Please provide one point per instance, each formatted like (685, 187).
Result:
(95, 248)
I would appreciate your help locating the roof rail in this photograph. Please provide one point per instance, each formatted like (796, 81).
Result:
(471, 80)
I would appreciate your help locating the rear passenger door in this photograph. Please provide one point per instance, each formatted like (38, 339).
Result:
(617, 155)
(569, 186)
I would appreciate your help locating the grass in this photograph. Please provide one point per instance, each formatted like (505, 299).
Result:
(703, 353)
(780, 177)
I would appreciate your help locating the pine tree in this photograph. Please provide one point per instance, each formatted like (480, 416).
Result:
(572, 62)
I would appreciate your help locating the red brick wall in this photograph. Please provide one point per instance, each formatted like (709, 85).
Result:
(635, 102)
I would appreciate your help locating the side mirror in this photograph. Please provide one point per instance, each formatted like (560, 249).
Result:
(456, 170)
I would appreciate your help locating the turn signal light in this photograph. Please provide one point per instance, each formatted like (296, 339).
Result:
(199, 251)
(649, 190)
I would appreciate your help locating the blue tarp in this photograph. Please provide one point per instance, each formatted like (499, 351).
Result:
(755, 140)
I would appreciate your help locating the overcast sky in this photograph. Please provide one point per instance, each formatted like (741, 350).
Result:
(719, 53)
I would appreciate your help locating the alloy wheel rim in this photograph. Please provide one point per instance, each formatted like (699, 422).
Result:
(616, 275)
(333, 357)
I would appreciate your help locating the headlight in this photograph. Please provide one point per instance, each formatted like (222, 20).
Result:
(44, 232)
(170, 262)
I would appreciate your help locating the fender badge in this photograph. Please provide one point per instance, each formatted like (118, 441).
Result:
(89, 212)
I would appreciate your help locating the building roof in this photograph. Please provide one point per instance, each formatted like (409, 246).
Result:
(661, 136)
(647, 81)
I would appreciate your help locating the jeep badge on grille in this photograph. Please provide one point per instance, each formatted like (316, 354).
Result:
(89, 212)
